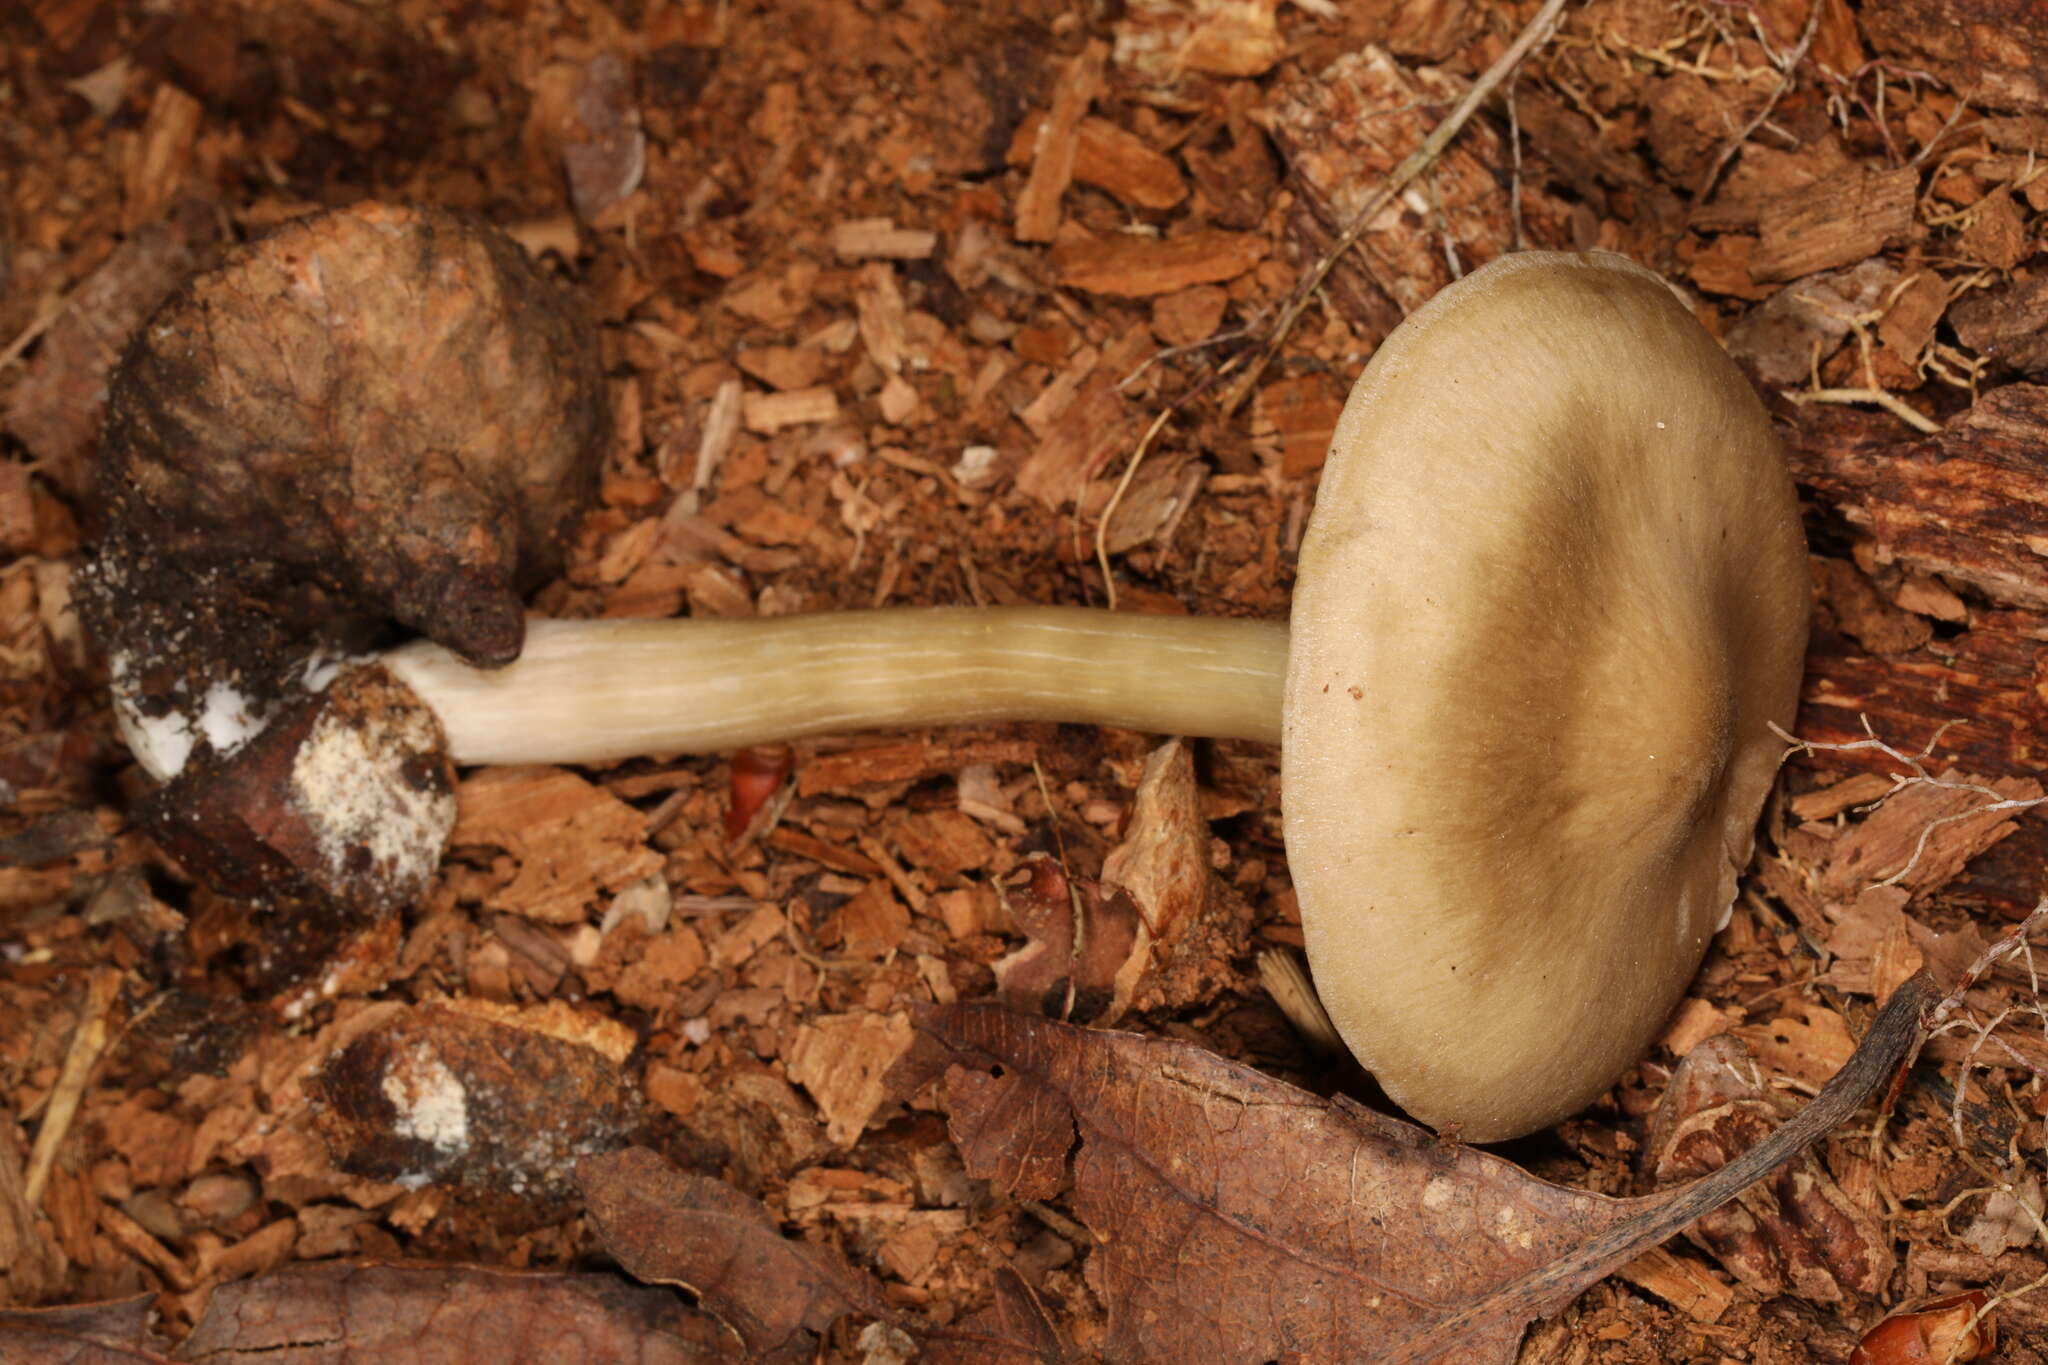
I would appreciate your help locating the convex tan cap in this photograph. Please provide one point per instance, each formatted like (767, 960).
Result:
(1553, 596)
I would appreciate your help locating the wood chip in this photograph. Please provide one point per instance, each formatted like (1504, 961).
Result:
(568, 840)
(873, 923)
(904, 761)
(768, 413)
(1052, 161)
(868, 238)
(1693, 1023)
(1808, 1042)
(1859, 789)
(1836, 221)
(841, 1060)
(1159, 40)
(157, 163)
(818, 851)
(1139, 267)
(1114, 160)
(1682, 1282)
(761, 927)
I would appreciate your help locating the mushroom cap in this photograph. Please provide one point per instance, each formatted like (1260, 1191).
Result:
(1552, 599)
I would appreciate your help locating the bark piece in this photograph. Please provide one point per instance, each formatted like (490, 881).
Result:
(1997, 232)
(1923, 836)
(1997, 50)
(1343, 130)
(1980, 690)
(1836, 221)
(115, 1332)
(2008, 323)
(1966, 503)
(1299, 415)
(1779, 339)
(502, 1106)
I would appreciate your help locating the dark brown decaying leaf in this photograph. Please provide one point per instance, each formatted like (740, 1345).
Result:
(452, 1315)
(384, 1315)
(776, 1294)
(1243, 1219)
(1795, 1233)
(1012, 1330)
(1063, 970)
(1016, 1135)
(115, 1332)
(670, 1227)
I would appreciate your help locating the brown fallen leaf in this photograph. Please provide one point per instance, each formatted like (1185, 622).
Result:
(666, 1226)
(1012, 1330)
(1795, 1233)
(387, 1314)
(1242, 1219)
(449, 1315)
(113, 1332)
(1063, 970)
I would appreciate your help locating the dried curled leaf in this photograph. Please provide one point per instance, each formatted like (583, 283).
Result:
(1242, 1219)
(667, 1226)
(777, 1294)
(1794, 1233)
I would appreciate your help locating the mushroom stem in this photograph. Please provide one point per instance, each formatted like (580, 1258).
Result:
(590, 691)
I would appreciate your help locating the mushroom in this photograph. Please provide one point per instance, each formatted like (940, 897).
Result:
(1532, 685)
(1551, 602)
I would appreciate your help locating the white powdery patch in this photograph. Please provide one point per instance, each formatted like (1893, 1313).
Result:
(225, 717)
(348, 779)
(161, 744)
(432, 1105)
(322, 668)
(228, 719)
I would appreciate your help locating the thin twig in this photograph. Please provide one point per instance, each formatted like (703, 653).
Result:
(1116, 499)
(1786, 80)
(88, 1041)
(1530, 38)
(1917, 765)
(46, 317)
